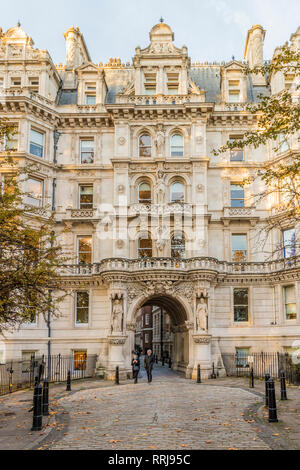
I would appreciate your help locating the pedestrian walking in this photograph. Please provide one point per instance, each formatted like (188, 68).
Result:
(135, 367)
(148, 364)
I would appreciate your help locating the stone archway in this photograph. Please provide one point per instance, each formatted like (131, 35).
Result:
(181, 315)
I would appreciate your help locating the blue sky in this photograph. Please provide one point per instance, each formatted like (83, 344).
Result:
(211, 29)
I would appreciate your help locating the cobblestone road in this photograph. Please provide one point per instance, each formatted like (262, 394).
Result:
(170, 413)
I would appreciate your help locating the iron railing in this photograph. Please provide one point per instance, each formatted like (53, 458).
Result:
(15, 375)
(239, 365)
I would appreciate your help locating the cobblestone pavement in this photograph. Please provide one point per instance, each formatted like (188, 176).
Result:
(170, 413)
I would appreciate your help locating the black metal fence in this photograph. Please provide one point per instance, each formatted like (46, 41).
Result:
(239, 365)
(15, 375)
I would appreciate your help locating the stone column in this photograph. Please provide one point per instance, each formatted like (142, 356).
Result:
(115, 356)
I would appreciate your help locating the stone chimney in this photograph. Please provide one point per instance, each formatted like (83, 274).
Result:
(254, 51)
(76, 50)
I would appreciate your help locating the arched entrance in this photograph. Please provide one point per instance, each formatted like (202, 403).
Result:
(173, 341)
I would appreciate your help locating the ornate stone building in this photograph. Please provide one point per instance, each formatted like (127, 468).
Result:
(123, 153)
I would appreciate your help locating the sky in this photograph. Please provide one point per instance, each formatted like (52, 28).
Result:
(213, 30)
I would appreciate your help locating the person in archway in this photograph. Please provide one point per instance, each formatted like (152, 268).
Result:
(148, 364)
(135, 367)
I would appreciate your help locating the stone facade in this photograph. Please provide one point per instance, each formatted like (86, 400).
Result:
(123, 152)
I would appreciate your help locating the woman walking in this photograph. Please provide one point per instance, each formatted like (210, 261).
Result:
(135, 367)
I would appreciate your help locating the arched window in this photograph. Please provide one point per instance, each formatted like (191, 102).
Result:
(177, 192)
(144, 247)
(145, 145)
(177, 145)
(144, 193)
(178, 246)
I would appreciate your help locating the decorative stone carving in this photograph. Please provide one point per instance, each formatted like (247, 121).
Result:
(160, 140)
(131, 326)
(120, 244)
(117, 340)
(189, 325)
(121, 189)
(121, 141)
(202, 339)
(202, 315)
(117, 315)
(200, 188)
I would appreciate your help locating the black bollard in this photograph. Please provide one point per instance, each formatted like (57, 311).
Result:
(251, 384)
(156, 359)
(198, 374)
(170, 362)
(267, 376)
(163, 361)
(283, 386)
(37, 409)
(272, 402)
(213, 374)
(117, 379)
(46, 398)
(68, 389)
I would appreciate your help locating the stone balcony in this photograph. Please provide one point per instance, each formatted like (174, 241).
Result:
(145, 100)
(160, 209)
(239, 212)
(191, 265)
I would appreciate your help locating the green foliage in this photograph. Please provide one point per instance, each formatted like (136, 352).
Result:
(30, 256)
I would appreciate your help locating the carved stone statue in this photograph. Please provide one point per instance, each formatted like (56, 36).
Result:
(160, 140)
(117, 315)
(201, 315)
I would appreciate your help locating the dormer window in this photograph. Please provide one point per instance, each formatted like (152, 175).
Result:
(90, 93)
(173, 83)
(150, 83)
(288, 80)
(234, 91)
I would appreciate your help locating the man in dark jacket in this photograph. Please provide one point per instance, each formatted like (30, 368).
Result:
(148, 364)
(135, 367)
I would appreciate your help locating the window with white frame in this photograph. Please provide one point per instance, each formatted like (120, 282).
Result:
(234, 90)
(150, 83)
(145, 145)
(34, 84)
(84, 255)
(37, 143)
(147, 319)
(240, 305)
(11, 141)
(16, 81)
(236, 154)
(290, 306)
(172, 83)
(85, 197)
(177, 145)
(90, 93)
(237, 195)
(177, 192)
(82, 308)
(34, 193)
(87, 150)
(146, 338)
(289, 242)
(239, 247)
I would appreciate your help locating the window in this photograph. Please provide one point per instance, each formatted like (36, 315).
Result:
(146, 338)
(34, 84)
(85, 197)
(87, 151)
(1, 82)
(82, 308)
(27, 359)
(177, 145)
(145, 145)
(239, 248)
(237, 195)
(11, 143)
(177, 192)
(144, 247)
(289, 242)
(16, 81)
(241, 357)
(236, 154)
(79, 358)
(34, 195)
(178, 247)
(90, 93)
(85, 250)
(32, 318)
(173, 83)
(234, 96)
(144, 193)
(36, 143)
(288, 80)
(150, 83)
(290, 303)
(240, 303)
(147, 318)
